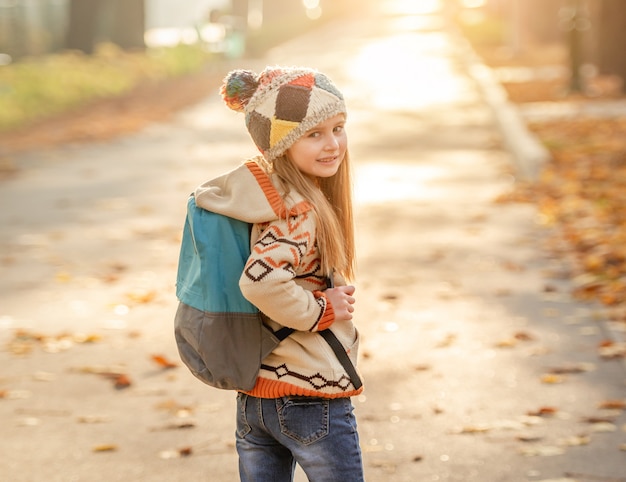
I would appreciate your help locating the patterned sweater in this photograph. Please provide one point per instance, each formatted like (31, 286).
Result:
(283, 278)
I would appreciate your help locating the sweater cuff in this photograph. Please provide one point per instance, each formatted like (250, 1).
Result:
(328, 318)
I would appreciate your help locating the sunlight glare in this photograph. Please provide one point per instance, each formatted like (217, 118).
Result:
(405, 72)
(473, 3)
(414, 7)
(313, 9)
(380, 182)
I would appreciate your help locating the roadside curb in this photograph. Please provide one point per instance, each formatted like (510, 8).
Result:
(528, 152)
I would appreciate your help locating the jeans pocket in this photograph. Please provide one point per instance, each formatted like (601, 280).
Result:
(243, 428)
(305, 420)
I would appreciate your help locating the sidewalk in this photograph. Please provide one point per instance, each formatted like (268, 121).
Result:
(478, 365)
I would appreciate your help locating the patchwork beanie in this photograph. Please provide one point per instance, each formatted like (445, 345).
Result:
(281, 104)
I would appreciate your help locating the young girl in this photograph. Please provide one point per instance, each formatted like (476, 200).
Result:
(297, 194)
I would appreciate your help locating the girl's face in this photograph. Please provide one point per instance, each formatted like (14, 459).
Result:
(320, 151)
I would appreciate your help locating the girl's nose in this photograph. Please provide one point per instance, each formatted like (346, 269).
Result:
(332, 142)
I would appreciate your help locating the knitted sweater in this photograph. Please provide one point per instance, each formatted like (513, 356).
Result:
(283, 278)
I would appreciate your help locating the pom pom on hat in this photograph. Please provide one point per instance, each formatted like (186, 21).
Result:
(281, 104)
(238, 88)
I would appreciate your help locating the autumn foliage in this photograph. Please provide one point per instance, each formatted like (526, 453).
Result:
(581, 193)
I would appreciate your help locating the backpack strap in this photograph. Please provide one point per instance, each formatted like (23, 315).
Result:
(283, 332)
(337, 348)
(342, 356)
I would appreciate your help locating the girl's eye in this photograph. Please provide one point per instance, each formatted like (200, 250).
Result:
(338, 129)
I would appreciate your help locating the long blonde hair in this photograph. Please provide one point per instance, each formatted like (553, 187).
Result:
(331, 199)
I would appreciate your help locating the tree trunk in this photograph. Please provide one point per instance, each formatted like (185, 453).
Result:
(611, 38)
(81, 32)
(541, 18)
(129, 21)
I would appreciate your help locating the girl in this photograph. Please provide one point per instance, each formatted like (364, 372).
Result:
(297, 194)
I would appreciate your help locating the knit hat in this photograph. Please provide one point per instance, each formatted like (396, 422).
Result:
(281, 104)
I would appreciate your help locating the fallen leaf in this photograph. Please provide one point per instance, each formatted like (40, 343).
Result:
(389, 297)
(183, 425)
(104, 370)
(447, 341)
(552, 379)
(142, 296)
(593, 420)
(185, 451)
(524, 336)
(613, 405)
(105, 448)
(87, 338)
(612, 350)
(529, 438)
(121, 381)
(572, 369)
(506, 343)
(15, 394)
(543, 412)
(163, 362)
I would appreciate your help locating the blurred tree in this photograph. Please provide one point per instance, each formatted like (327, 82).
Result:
(119, 21)
(82, 28)
(574, 19)
(610, 36)
(128, 25)
(541, 18)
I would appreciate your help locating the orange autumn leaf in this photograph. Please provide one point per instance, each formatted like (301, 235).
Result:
(163, 362)
(185, 451)
(613, 405)
(609, 349)
(543, 412)
(120, 380)
(552, 379)
(524, 336)
(142, 296)
(105, 448)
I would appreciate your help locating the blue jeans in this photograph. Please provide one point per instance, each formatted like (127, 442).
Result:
(274, 434)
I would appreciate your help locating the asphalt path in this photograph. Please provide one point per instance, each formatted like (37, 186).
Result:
(478, 364)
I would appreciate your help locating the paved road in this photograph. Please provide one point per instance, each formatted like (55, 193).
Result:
(478, 365)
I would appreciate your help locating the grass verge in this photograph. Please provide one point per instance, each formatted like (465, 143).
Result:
(38, 88)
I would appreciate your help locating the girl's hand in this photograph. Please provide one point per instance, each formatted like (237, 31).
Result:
(342, 300)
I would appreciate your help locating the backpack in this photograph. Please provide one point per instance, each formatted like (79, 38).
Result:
(220, 335)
